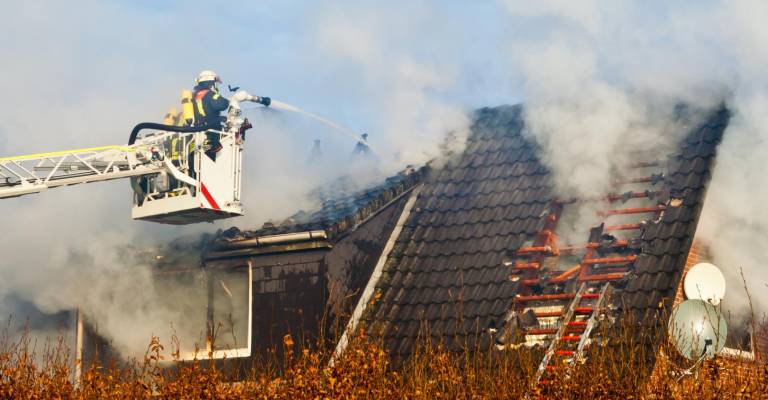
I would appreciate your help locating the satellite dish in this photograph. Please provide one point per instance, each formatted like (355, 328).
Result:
(704, 282)
(697, 329)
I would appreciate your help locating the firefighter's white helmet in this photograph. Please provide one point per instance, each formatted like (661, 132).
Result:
(207, 76)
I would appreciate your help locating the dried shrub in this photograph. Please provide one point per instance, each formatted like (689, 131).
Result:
(620, 368)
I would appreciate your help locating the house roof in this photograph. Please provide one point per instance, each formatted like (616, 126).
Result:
(455, 269)
(344, 204)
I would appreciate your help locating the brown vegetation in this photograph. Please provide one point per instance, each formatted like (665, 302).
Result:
(365, 371)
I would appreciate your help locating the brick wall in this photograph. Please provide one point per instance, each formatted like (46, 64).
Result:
(694, 257)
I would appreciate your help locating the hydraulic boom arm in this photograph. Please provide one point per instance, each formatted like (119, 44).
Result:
(180, 174)
(35, 173)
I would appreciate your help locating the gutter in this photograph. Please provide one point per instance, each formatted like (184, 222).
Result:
(370, 287)
(273, 240)
(287, 242)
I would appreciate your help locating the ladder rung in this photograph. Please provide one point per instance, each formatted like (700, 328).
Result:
(609, 260)
(618, 243)
(571, 249)
(571, 338)
(577, 323)
(534, 249)
(552, 331)
(635, 210)
(624, 227)
(542, 314)
(653, 179)
(629, 195)
(530, 265)
(544, 297)
(613, 269)
(558, 296)
(577, 310)
(603, 277)
(565, 352)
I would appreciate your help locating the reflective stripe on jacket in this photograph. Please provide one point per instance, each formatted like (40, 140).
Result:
(208, 106)
(176, 147)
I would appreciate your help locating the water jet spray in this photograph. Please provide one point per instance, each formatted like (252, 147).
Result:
(335, 126)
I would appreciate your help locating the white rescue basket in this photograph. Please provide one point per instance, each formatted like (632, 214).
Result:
(200, 186)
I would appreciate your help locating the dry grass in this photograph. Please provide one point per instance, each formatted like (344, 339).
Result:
(365, 371)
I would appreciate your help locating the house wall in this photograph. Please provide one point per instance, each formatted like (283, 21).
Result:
(289, 292)
(96, 348)
(694, 257)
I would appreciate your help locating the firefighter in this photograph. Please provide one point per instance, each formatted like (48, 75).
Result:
(172, 117)
(362, 148)
(208, 105)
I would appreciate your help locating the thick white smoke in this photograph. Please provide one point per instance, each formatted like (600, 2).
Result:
(83, 76)
(382, 52)
(598, 76)
(734, 221)
(583, 102)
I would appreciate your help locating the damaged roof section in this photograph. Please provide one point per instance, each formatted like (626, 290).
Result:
(651, 286)
(342, 210)
(344, 207)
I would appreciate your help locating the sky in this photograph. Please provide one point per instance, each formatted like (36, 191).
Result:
(593, 75)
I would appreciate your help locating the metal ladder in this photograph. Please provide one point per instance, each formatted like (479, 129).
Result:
(571, 344)
(35, 173)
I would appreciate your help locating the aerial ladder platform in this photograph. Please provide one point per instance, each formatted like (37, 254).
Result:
(175, 176)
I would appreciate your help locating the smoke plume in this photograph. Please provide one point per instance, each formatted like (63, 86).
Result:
(83, 76)
(734, 223)
(600, 80)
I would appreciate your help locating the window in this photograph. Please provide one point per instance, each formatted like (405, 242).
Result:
(229, 312)
(224, 317)
(739, 342)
